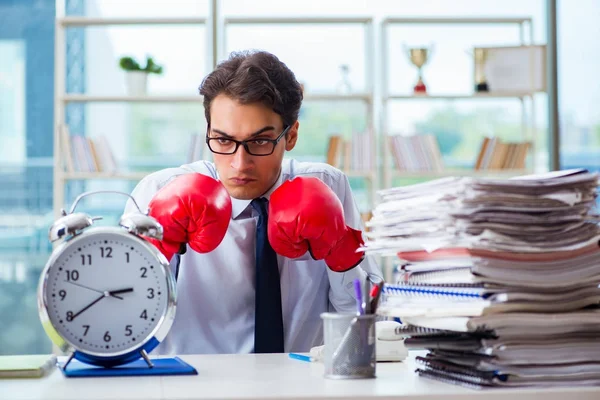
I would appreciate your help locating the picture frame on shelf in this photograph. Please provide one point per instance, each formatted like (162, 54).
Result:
(512, 69)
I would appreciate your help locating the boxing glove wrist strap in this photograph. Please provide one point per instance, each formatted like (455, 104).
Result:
(343, 257)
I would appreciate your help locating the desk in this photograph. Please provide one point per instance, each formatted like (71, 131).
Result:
(268, 376)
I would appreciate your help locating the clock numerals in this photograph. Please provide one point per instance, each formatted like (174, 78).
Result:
(106, 252)
(72, 275)
(96, 314)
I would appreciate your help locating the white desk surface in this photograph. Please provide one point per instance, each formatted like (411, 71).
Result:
(269, 376)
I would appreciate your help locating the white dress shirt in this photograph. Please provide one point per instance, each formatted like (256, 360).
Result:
(216, 291)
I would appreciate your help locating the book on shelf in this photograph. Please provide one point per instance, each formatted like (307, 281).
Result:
(66, 148)
(355, 154)
(335, 149)
(498, 154)
(85, 154)
(416, 153)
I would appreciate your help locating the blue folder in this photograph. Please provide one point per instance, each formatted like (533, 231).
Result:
(162, 366)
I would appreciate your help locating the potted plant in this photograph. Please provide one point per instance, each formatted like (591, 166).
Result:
(137, 77)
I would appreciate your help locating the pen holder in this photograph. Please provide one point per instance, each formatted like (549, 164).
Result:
(349, 351)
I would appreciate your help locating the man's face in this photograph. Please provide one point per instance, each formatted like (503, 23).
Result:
(247, 176)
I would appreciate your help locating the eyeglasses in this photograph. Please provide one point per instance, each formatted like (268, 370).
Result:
(255, 147)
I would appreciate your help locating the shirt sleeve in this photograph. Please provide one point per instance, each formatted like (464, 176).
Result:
(341, 292)
(143, 193)
(147, 187)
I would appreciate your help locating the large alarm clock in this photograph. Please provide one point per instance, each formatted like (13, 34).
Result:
(106, 295)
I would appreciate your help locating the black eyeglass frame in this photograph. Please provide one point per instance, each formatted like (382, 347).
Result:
(244, 143)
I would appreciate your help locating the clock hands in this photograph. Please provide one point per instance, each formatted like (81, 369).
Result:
(104, 294)
(88, 306)
(114, 292)
(95, 290)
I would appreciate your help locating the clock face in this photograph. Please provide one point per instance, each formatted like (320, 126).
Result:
(106, 293)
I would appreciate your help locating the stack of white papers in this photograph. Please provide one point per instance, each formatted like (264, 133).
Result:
(499, 278)
(527, 215)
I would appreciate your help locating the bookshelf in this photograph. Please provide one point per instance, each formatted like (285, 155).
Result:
(380, 174)
(75, 21)
(83, 98)
(504, 95)
(496, 173)
(216, 36)
(63, 175)
(132, 176)
(523, 98)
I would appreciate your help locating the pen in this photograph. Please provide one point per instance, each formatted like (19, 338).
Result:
(375, 294)
(359, 297)
(300, 357)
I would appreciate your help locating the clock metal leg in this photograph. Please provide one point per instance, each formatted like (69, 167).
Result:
(146, 358)
(68, 361)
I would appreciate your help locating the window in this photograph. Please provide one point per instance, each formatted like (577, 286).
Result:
(26, 114)
(12, 102)
(578, 86)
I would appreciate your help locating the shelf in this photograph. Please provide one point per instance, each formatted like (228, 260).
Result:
(500, 173)
(131, 176)
(85, 21)
(85, 98)
(140, 175)
(516, 20)
(507, 95)
(298, 20)
(337, 97)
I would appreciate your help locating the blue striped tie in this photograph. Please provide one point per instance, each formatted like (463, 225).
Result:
(268, 322)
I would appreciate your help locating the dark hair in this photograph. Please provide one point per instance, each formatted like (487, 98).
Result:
(251, 77)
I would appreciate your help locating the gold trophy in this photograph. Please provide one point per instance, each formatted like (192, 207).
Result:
(419, 56)
(480, 56)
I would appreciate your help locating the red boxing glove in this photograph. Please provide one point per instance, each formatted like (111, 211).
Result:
(305, 214)
(192, 208)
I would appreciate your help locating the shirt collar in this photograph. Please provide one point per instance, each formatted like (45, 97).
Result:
(238, 206)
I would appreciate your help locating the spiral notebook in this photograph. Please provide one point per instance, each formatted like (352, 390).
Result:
(558, 274)
(403, 301)
(515, 352)
(516, 324)
(411, 331)
(470, 377)
(489, 363)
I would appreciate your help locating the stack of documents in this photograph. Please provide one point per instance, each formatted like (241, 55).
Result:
(526, 214)
(499, 278)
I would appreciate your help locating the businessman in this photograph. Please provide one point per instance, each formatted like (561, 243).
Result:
(260, 245)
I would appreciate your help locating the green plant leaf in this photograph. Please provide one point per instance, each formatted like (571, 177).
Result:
(129, 64)
(152, 67)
